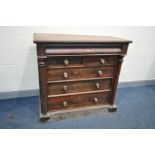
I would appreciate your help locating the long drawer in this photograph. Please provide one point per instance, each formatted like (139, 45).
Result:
(79, 86)
(80, 73)
(72, 101)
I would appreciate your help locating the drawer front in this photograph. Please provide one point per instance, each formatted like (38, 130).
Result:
(79, 61)
(57, 103)
(100, 60)
(80, 73)
(54, 62)
(79, 86)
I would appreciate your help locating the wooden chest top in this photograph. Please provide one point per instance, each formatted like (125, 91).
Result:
(41, 37)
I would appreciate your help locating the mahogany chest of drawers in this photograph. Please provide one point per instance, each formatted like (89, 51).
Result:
(78, 72)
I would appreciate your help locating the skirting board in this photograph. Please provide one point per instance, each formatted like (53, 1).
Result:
(35, 92)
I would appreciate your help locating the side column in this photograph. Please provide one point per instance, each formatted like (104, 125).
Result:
(42, 78)
(112, 106)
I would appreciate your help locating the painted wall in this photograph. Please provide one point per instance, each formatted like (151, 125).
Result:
(18, 65)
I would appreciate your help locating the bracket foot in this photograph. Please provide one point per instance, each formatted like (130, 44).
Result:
(112, 108)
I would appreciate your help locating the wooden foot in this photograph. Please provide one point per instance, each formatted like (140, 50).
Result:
(44, 119)
(112, 108)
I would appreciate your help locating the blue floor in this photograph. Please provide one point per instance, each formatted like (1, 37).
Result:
(136, 109)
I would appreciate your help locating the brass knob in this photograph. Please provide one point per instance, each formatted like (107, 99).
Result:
(66, 62)
(64, 103)
(100, 73)
(65, 88)
(95, 99)
(97, 85)
(102, 61)
(65, 74)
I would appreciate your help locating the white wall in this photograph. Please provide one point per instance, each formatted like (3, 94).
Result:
(18, 65)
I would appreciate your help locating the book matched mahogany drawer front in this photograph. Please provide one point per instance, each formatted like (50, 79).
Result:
(79, 86)
(79, 61)
(71, 101)
(78, 71)
(70, 77)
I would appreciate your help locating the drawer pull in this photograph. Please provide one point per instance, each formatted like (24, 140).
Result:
(95, 100)
(64, 103)
(66, 62)
(100, 73)
(65, 74)
(97, 85)
(65, 88)
(102, 61)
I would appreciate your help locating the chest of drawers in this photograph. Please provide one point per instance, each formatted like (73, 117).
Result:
(78, 72)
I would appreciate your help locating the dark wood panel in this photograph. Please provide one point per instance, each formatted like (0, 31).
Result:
(79, 86)
(80, 73)
(66, 102)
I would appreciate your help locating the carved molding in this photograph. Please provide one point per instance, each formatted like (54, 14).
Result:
(121, 59)
(41, 62)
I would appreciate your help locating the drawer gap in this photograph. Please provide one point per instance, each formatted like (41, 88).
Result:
(83, 55)
(50, 68)
(61, 81)
(81, 93)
